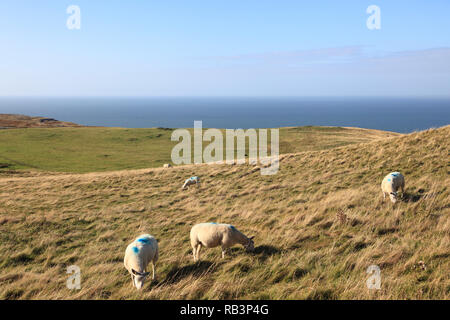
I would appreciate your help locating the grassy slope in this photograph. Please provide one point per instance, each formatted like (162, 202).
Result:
(22, 121)
(302, 250)
(81, 150)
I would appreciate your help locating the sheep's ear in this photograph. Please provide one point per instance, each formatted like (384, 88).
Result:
(139, 274)
(136, 273)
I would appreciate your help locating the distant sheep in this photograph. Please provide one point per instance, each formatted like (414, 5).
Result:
(212, 235)
(390, 185)
(138, 255)
(190, 181)
(167, 165)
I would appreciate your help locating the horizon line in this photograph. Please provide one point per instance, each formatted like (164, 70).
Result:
(231, 96)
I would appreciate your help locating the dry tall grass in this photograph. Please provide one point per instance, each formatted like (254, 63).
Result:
(319, 223)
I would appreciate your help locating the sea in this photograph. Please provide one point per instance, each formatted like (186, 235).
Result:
(392, 114)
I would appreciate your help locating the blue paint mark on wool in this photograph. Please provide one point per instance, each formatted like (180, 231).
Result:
(135, 249)
(213, 223)
(389, 179)
(232, 227)
(143, 240)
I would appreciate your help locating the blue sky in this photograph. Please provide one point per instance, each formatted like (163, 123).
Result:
(224, 48)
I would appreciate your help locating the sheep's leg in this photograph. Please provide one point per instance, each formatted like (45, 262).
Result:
(224, 250)
(194, 252)
(153, 268)
(199, 246)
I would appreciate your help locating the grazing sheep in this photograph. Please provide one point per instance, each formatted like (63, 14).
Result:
(167, 165)
(137, 256)
(211, 235)
(190, 181)
(390, 185)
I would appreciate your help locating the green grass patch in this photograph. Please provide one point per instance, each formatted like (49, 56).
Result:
(90, 149)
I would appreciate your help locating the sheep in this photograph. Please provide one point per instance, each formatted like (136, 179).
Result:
(167, 165)
(137, 256)
(390, 185)
(211, 235)
(190, 181)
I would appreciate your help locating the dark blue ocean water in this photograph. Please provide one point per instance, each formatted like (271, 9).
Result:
(393, 114)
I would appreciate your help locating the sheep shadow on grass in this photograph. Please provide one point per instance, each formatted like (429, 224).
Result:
(407, 197)
(265, 251)
(196, 269)
(412, 197)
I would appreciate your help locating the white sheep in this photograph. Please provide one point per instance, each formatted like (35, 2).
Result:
(190, 181)
(167, 165)
(390, 185)
(137, 256)
(210, 235)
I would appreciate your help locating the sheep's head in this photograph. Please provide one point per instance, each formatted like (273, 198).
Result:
(139, 278)
(250, 246)
(393, 196)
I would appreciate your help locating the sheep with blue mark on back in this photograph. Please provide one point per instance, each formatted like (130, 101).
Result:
(210, 235)
(190, 181)
(391, 184)
(139, 253)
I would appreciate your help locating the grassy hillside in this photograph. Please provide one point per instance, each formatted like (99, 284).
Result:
(319, 223)
(22, 121)
(88, 149)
